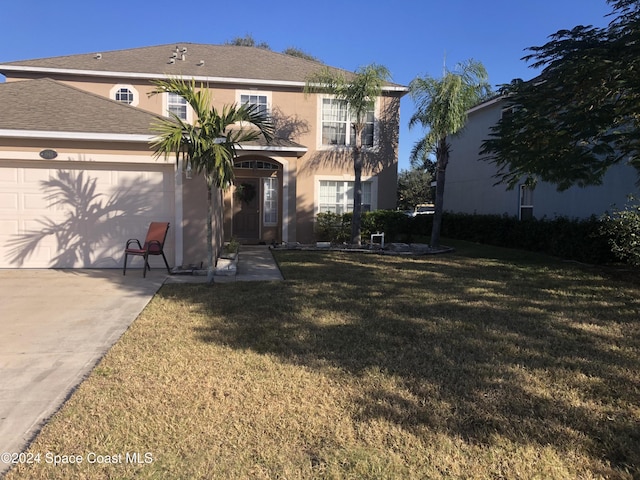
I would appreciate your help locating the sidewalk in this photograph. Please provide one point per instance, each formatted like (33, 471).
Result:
(256, 264)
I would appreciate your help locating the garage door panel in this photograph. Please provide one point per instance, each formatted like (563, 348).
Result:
(36, 202)
(8, 201)
(34, 176)
(73, 218)
(9, 227)
(8, 175)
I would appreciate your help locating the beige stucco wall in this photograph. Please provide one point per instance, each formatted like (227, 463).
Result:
(296, 117)
(194, 223)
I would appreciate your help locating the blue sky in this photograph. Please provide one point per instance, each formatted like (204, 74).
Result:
(409, 37)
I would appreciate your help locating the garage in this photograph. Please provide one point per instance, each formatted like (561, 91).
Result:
(67, 214)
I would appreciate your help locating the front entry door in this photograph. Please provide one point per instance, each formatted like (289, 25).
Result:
(246, 221)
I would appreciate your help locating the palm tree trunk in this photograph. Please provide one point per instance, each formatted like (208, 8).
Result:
(356, 220)
(210, 263)
(442, 159)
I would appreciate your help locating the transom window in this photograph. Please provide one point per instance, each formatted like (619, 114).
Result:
(337, 121)
(256, 165)
(259, 100)
(177, 105)
(336, 196)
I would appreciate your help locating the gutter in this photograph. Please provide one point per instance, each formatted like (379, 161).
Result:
(112, 137)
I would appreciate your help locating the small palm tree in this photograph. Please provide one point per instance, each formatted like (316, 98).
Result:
(441, 107)
(208, 145)
(359, 92)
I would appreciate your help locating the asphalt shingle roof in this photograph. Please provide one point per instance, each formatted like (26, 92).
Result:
(200, 60)
(47, 105)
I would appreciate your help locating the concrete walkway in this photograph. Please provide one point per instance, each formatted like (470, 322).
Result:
(256, 264)
(56, 325)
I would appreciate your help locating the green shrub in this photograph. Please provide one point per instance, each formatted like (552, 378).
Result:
(622, 229)
(572, 239)
(333, 227)
(393, 223)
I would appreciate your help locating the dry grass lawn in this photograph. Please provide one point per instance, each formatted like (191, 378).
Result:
(483, 364)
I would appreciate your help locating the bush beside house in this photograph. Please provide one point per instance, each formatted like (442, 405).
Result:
(581, 240)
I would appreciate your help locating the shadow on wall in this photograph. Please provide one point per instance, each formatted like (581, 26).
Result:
(288, 127)
(375, 160)
(89, 224)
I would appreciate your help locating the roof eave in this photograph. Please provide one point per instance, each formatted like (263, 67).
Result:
(485, 104)
(153, 76)
(91, 136)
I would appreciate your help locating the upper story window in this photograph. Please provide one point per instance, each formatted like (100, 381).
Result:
(124, 94)
(261, 100)
(337, 124)
(177, 105)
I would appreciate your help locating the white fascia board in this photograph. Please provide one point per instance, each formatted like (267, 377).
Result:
(112, 137)
(486, 104)
(155, 76)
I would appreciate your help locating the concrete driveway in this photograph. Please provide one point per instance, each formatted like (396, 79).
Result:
(55, 326)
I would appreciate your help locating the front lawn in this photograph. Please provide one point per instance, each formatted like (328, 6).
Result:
(487, 363)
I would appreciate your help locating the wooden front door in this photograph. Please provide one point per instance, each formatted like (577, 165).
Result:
(246, 220)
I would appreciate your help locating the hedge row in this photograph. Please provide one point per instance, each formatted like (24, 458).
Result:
(571, 239)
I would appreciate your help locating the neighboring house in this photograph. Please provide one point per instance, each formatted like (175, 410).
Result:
(471, 183)
(78, 177)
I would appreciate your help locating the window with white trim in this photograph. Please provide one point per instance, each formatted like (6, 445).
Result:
(124, 94)
(336, 196)
(526, 202)
(337, 121)
(177, 105)
(270, 201)
(261, 101)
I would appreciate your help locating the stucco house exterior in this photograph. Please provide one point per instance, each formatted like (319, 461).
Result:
(78, 177)
(471, 183)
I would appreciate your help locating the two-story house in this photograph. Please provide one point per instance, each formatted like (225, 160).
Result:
(78, 176)
(471, 182)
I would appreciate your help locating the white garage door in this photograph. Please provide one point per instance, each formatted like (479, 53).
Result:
(62, 215)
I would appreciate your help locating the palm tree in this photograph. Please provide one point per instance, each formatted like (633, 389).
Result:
(441, 106)
(208, 146)
(359, 91)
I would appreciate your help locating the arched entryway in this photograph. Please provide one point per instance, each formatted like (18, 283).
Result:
(255, 201)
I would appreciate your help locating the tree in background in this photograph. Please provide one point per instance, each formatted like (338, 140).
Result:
(581, 115)
(441, 108)
(359, 91)
(249, 41)
(296, 52)
(414, 188)
(209, 144)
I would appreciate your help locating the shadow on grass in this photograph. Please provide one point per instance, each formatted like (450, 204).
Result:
(476, 348)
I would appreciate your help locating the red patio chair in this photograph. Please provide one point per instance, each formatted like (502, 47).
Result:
(153, 245)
